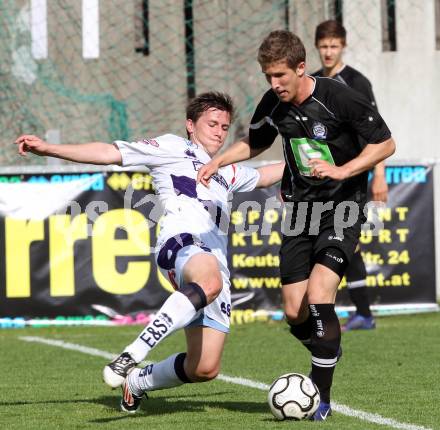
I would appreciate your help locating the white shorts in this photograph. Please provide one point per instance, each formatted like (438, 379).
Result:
(172, 257)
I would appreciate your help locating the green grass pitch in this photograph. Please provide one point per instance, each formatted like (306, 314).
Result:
(390, 375)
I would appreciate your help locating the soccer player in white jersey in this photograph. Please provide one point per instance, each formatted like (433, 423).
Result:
(191, 246)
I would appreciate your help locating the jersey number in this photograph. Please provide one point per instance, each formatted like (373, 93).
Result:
(226, 308)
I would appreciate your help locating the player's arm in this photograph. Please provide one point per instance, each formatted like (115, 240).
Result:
(91, 153)
(270, 174)
(379, 186)
(372, 154)
(239, 151)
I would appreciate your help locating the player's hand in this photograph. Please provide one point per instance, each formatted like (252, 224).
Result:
(322, 169)
(379, 188)
(30, 143)
(206, 171)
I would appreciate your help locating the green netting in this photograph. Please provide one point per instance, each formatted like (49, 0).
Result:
(153, 55)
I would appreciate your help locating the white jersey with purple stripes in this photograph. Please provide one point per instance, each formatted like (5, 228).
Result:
(189, 208)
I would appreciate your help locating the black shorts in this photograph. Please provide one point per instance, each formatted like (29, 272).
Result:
(299, 251)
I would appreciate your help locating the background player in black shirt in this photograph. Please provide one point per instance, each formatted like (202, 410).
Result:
(330, 41)
(325, 181)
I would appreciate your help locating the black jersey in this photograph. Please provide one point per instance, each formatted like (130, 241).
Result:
(354, 79)
(326, 125)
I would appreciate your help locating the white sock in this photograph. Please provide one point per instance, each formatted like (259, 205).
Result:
(176, 313)
(155, 376)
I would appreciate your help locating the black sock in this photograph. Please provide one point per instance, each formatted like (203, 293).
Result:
(357, 290)
(325, 343)
(356, 271)
(359, 296)
(179, 369)
(302, 331)
(195, 295)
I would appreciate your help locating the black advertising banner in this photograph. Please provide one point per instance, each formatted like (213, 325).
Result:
(71, 241)
(400, 257)
(254, 241)
(397, 243)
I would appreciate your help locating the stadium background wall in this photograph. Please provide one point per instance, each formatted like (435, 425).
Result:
(78, 71)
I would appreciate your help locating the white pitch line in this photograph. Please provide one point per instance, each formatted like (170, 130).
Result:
(244, 381)
(342, 409)
(71, 346)
(375, 418)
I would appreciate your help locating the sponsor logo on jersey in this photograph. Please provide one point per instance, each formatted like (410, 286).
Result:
(319, 130)
(304, 149)
(151, 142)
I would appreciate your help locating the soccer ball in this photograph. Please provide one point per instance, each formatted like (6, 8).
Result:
(293, 396)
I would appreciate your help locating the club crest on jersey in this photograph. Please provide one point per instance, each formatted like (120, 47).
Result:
(190, 153)
(319, 130)
(151, 142)
(191, 144)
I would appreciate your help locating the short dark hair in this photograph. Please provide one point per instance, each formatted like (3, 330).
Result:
(330, 28)
(209, 100)
(281, 45)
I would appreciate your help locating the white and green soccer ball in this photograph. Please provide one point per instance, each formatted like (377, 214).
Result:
(293, 396)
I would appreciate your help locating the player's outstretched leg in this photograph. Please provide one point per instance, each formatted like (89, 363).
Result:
(201, 282)
(177, 311)
(200, 364)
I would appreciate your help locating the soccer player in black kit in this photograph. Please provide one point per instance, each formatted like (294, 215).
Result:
(326, 172)
(330, 41)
